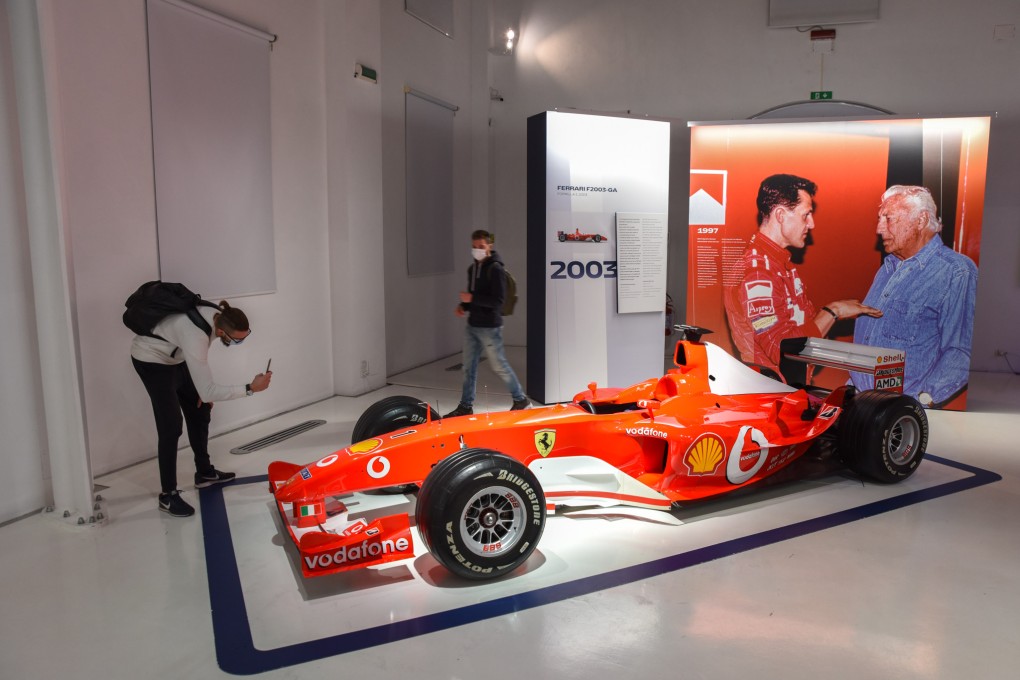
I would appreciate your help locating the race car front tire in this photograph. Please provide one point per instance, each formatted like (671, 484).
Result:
(480, 513)
(388, 415)
(883, 435)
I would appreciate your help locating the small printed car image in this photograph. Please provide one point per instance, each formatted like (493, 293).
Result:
(578, 236)
(487, 483)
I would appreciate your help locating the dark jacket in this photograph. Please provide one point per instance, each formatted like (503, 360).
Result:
(488, 290)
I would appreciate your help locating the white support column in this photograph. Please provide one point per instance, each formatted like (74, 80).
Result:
(354, 191)
(59, 365)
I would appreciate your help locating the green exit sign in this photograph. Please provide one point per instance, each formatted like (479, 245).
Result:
(821, 94)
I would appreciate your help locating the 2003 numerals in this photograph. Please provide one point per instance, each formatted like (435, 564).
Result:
(606, 269)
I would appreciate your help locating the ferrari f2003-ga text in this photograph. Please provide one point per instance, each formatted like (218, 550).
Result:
(487, 481)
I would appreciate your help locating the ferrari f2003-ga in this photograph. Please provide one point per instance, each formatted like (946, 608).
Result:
(486, 483)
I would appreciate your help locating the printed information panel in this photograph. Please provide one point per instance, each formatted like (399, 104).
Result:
(582, 171)
(641, 258)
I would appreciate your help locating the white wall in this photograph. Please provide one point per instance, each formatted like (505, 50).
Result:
(109, 206)
(703, 61)
(97, 62)
(354, 185)
(420, 324)
(22, 452)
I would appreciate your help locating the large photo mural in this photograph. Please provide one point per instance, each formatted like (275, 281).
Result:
(865, 231)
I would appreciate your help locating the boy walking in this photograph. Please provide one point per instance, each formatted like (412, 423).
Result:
(482, 303)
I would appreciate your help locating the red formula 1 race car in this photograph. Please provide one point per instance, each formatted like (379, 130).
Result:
(487, 481)
(578, 236)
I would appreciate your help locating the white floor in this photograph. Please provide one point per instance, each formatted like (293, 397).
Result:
(817, 578)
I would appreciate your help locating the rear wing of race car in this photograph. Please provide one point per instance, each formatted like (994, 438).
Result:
(799, 353)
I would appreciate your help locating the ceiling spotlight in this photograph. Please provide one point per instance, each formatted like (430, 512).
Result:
(506, 46)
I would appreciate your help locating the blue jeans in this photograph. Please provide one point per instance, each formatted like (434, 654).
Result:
(491, 340)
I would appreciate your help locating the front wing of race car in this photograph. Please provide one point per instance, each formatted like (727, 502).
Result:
(329, 542)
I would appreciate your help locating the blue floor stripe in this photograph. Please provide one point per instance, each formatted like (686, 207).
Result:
(237, 654)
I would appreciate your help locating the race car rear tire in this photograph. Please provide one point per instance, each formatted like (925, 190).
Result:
(883, 435)
(480, 513)
(388, 415)
(562, 237)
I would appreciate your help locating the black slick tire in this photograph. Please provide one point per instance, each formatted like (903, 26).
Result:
(389, 415)
(480, 513)
(883, 435)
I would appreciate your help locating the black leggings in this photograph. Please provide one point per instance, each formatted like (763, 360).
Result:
(172, 393)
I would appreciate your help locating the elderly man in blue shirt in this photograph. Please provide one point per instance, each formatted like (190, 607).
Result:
(926, 293)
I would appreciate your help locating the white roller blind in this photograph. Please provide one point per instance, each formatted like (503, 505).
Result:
(211, 150)
(429, 177)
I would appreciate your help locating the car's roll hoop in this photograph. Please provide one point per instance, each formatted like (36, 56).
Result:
(691, 333)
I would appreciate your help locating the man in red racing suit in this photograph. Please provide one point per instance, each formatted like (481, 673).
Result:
(765, 298)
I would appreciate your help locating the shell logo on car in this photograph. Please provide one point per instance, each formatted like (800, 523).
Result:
(704, 455)
(365, 446)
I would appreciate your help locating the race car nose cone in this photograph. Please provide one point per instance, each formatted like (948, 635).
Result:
(291, 493)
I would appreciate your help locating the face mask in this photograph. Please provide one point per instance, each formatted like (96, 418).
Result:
(479, 254)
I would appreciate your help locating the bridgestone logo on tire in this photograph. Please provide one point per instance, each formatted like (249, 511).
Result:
(536, 507)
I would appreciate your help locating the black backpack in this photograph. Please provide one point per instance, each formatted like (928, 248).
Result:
(156, 300)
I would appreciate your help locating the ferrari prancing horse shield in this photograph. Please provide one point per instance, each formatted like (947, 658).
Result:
(544, 440)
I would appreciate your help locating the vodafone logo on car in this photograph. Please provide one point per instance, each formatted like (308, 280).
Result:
(646, 432)
(328, 460)
(378, 467)
(735, 472)
(359, 552)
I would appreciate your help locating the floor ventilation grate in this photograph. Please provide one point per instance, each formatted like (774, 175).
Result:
(276, 437)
